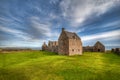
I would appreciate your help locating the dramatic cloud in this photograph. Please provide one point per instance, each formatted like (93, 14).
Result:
(30, 23)
(14, 32)
(77, 11)
(105, 35)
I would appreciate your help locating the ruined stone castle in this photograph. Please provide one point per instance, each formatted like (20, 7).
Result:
(69, 43)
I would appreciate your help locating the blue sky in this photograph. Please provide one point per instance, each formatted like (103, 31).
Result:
(28, 23)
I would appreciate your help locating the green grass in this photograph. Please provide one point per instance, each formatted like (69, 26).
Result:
(39, 65)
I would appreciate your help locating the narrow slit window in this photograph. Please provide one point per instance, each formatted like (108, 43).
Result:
(73, 50)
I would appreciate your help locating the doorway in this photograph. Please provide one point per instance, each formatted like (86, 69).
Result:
(98, 50)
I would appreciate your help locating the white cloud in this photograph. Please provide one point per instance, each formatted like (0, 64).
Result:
(76, 30)
(15, 32)
(113, 45)
(114, 38)
(42, 27)
(45, 28)
(53, 16)
(112, 23)
(22, 44)
(53, 1)
(2, 19)
(5, 29)
(105, 35)
(77, 11)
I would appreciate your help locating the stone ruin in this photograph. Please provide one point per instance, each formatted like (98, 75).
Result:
(116, 50)
(52, 46)
(98, 47)
(69, 43)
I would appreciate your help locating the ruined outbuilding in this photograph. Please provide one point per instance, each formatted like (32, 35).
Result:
(53, 46)
(116, 50)
(98, 47)
(44, 47)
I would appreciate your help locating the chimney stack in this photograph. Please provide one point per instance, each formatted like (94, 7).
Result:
(63, 29)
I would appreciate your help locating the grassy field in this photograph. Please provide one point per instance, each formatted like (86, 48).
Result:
(38, 65)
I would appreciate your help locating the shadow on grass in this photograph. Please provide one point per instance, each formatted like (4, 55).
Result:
(6, 74)
(49, 53)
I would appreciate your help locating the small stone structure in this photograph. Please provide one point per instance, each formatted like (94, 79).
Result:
(98, 47)
(44, 46)
(116, 50)
(52, 46)
(88, 49)
(69, 43)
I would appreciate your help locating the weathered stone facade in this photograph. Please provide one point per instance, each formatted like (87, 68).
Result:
(98, 47)
(52, 46)
(68, 44)
(44, 47)
(88, 49)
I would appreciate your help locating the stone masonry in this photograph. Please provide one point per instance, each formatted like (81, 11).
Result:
(69, 43)
(98, 47)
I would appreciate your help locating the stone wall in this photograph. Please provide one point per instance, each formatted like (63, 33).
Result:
(44, 47)
(75, 47)
(63, 44)
(68, 44)
(88, 49)
(116, 50)
(52, 46)
(98, 47)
